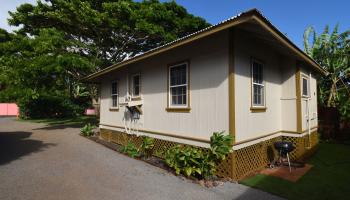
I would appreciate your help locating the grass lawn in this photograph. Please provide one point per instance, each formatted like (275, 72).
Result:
(76, 121)
(329, 177)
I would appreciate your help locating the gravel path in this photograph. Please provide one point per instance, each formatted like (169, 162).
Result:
(54, 162)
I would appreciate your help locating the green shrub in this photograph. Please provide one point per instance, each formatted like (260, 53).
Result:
(220, 145)
(159, 153)
(195, 162)
(49, 106)
(87, 130)
(147, 146)
(190, 161)
(131, 150)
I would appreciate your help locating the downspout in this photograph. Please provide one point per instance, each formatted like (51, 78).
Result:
(127, 129)
(308, 112)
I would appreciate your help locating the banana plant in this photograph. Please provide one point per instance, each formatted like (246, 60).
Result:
(332, 51)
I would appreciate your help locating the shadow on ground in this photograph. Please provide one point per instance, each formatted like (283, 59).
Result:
(60, 126)
(63, 123)
(14, 145)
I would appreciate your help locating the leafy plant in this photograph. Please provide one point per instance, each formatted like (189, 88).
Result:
(220, 145)
(159, 153)
(186, 159)
(331, 50)
(196, 162)
(131, 150)
(88, 130)
(42, 63)
(147, 146)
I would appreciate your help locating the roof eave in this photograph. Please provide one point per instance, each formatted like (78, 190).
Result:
(253, 14)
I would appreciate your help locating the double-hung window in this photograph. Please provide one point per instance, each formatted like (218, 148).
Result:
(136, 85)
(258, 84)
(305, 84)
(114, 94)
(178, 85)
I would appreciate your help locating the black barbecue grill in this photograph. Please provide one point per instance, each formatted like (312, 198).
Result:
(284, 148)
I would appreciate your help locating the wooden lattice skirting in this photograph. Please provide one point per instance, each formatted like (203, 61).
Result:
(241, 162)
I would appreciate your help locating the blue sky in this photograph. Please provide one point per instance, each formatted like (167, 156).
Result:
(290, 17)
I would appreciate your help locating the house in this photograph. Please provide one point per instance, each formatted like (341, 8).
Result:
(242, 76)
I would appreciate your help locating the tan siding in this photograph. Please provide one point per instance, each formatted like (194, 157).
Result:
(250, 124)
(288, 94)
(208, 84)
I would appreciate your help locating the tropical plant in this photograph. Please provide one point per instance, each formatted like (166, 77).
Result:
(159, 153)
(88, 130)
(196, 162)
(131, 150)
(190, 161)
(147, 146)
(332, 51)
(220, 145)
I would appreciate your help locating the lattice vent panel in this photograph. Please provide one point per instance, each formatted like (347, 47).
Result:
(304, 147)
(241, 162)
(249, 159)
(224, 169)
(270, 152)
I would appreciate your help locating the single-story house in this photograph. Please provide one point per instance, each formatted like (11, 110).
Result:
(242, 76)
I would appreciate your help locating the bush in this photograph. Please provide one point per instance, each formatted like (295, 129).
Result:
(190, 161)
(87, 130)
(147, 146)
(131, 150)
(49, 106)
(220, 145)
(195, 162)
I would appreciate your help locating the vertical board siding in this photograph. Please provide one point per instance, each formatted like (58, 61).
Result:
(208, 79)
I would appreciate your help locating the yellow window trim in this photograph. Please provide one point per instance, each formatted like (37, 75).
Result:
(257, 108)
(133, 97)
(174, 108)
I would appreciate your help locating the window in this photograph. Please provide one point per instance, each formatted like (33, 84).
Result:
(114, 94)
(258, 85)
(136, 85)
(305, 91)
(178, 85)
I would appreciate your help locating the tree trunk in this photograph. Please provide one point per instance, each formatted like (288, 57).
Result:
(331, 97)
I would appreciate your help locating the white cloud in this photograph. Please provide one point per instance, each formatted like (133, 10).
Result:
(10, 5)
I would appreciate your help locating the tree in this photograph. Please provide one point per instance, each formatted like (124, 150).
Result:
(60, 41)
(112, 30)
(332, 51)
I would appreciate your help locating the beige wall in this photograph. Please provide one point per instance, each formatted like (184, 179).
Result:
(209, 91)
(288, 98)
(249, 124)
(280, 89)
(208, 96)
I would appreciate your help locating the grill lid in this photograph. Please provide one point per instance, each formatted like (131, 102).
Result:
(284, 146)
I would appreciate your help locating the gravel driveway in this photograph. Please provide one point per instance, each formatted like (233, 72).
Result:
(53, 162)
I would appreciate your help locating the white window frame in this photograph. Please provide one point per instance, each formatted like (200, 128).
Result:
(305, 77)
(133, 86)
(114, 95)
(170, 105)
(263, 84)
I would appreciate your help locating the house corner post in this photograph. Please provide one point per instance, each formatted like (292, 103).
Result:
(231, 96)
(298, 98)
